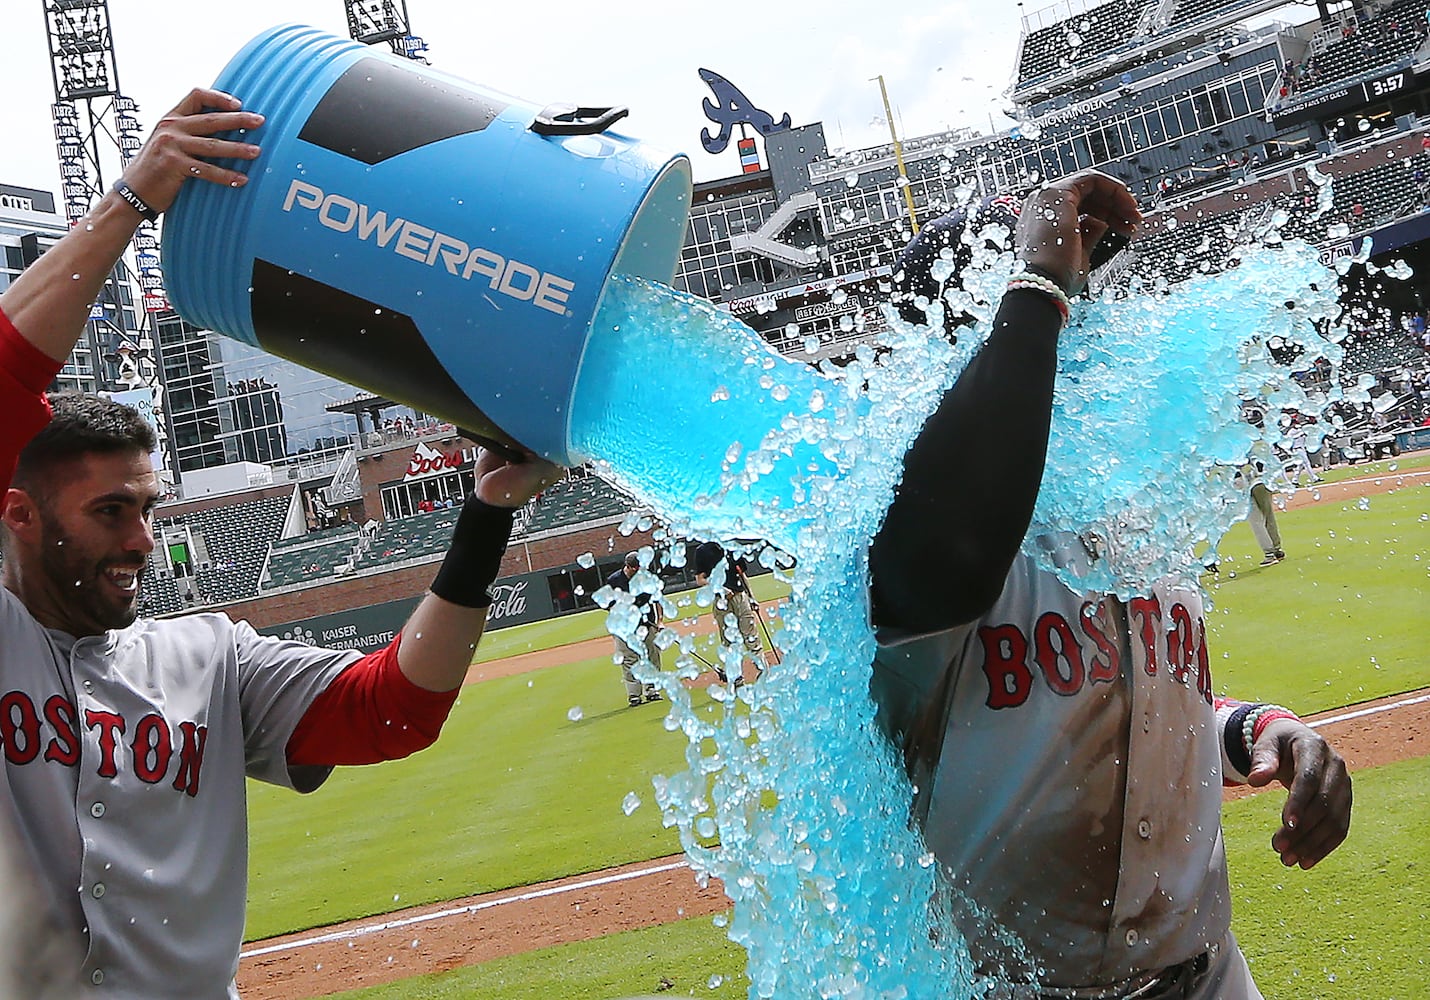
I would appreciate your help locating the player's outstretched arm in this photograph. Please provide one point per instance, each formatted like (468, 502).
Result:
(49, 303)
(971, 477)
(1317, 814)
(439, 639)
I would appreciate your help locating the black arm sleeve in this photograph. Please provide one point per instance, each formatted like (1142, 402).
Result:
(971, 478)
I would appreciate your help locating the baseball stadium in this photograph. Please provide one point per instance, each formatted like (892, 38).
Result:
(537, 848)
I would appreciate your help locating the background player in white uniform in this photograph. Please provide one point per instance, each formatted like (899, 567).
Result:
(127, 741)
(1066, 748)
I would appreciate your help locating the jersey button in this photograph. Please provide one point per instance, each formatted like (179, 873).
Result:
(97, 810)
(97, 976)
(1131, 936)
(89, 689)
(1144, 829)
(98, 891)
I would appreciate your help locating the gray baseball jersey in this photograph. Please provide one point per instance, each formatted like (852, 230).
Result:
(125, 759)
(1067, 762)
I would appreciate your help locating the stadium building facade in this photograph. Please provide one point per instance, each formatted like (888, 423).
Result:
(229, 402)
(30, 223)
(1205, 118)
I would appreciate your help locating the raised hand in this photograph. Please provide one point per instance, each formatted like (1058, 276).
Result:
(184, 140)
(1062, 222)
(504, 483)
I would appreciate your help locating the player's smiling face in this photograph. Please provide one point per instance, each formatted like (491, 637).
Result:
(95, 533)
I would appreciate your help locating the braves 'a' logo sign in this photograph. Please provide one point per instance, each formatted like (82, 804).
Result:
(729, 109)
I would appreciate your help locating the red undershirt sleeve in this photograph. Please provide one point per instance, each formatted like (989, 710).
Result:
(25, 371)
(370, 712)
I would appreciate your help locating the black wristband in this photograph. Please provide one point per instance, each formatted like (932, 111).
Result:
(134, 201)
(474, 558)
(1231, 739)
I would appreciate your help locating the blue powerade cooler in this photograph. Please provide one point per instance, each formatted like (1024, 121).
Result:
(419, 236)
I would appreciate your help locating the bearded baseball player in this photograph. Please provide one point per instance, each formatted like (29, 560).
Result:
(1066, 749)
(127, 741)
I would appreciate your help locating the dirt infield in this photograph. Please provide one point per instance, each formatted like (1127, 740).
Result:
(445, 936)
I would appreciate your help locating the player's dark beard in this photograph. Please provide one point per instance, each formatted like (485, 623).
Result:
(75, 576)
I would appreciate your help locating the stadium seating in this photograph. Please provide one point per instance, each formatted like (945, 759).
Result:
(236, 538)
(313, 556)
(1374, 45)
(1189, 11)
(576, 500)
(1077, 40)
(160, 596)
(408, 538)
(1379, 351)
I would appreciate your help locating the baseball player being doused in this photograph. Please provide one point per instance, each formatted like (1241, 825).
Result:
(1065, 747)
(127, 741)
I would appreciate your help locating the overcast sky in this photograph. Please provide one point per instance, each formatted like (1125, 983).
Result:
(945, 62)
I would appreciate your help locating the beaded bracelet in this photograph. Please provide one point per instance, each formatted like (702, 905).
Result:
(1257, 720)
(1049, 287)
(1272, 713)
(134, 201)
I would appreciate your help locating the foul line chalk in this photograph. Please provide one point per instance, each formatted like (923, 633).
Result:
(387, 925)
(1368, 711)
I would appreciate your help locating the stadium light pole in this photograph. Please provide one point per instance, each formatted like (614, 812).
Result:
(373, 22)
(898, 155)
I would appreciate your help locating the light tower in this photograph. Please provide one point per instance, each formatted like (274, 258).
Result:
(373, 22)
(97, 131)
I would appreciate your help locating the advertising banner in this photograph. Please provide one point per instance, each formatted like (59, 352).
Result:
(518, 599)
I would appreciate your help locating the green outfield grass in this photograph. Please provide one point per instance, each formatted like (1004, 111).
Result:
(1352, 928)
(515, 793)
(1341, 620)
(690, 955)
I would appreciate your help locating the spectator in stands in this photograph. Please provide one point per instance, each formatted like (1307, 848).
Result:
(626, 654)
(107, 833)
(734, 605)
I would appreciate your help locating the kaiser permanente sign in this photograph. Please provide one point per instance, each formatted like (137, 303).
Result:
(518, 599)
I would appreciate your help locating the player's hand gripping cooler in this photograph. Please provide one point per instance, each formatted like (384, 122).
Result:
(422, 237)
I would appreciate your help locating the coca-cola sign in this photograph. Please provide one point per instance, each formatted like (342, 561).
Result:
(508, 601)
(427, 461)
(516, 599)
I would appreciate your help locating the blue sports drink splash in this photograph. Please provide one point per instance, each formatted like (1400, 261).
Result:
(804, 802)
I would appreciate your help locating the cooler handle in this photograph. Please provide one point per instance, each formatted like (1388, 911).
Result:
(568, 119)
